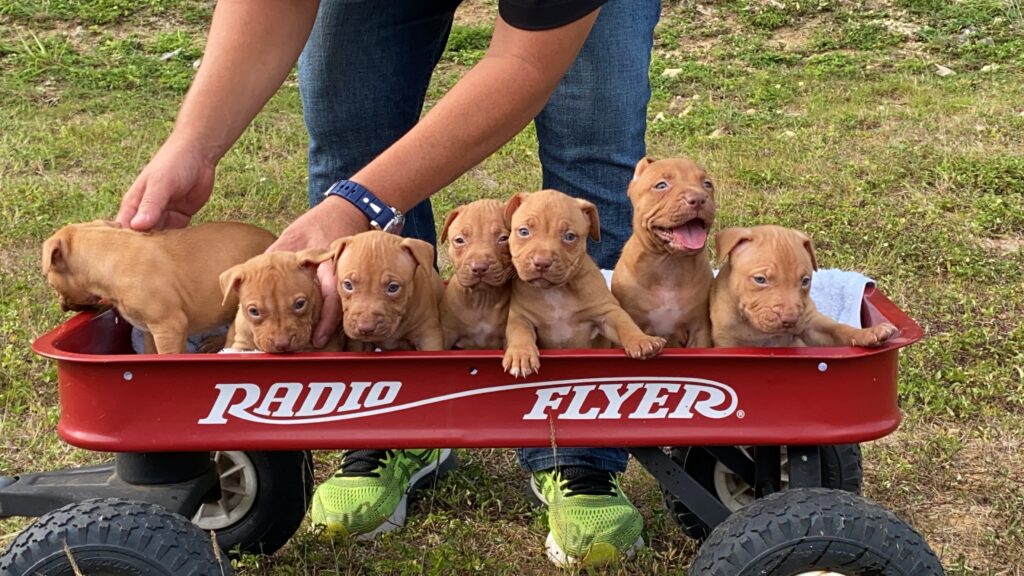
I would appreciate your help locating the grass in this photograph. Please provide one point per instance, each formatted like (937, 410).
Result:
(827, 116)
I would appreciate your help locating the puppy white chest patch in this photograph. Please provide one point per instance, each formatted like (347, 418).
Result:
(558, 316)
(665, 318)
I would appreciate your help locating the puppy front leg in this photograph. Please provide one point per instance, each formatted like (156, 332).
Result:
(522, 357)
(148, 345)
(620, 329)
(824, 331)
(699, 336)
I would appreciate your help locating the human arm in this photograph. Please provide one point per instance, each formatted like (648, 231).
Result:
(251, 48)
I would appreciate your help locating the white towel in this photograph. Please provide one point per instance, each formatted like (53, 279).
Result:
(836, 293)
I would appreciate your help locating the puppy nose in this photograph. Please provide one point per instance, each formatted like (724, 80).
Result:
(697, 199)
(282, 343)
(479, 267)
(367, 326)
(789, 318)
(541, 263)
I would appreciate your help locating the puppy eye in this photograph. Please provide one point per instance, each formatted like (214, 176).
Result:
(503, 239)
(253, 311)
(299, 305)
(805, 282)
(459, 241)
(760, 280)
(661, 185)
(569, 236)
(709, 186)
(346, 285)
(523, 232)
(394, 287)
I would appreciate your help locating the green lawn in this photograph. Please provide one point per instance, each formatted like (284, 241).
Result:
(829, 116)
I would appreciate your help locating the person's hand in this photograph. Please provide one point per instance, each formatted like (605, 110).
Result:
(175, 184)
(331, 219)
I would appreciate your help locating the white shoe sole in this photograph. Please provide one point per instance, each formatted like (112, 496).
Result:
(397, 519)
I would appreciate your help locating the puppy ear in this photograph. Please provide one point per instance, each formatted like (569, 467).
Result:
(55, 252)
(809, 246)
(312, 257)
(230, 280)
(448, 223)
(640, 167)
(337, 247)
(513, 204)
(422, 252)
(730, 239)
(590, 211)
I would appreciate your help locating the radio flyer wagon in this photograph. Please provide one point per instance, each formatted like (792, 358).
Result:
(764, 463)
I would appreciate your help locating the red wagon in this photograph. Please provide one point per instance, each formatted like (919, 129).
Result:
(743, 423)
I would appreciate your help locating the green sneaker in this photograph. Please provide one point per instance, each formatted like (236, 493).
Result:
(591, 521)
(370, 493)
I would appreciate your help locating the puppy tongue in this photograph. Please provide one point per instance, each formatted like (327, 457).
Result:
(691, 235)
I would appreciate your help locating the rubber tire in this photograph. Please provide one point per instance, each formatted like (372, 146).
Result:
(805, 529)
(841, 467)
(284, 483)
(112, 537)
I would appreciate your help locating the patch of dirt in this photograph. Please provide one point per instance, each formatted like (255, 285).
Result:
(795, 38)
(476, 13)
(1003, 246)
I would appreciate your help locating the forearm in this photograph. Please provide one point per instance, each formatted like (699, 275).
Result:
(251, 48)
(490, 105)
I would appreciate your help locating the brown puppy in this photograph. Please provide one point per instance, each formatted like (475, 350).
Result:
(663, 277)
(475, 305)
(390, 292)
(164, 283)
(761, 296)
(279, 302)
(561, 299)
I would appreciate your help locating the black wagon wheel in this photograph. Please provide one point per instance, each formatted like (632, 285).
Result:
(815, 531)
(263, 499)
(841, 468)
(113, 537)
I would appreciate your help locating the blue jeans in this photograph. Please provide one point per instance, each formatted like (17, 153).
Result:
(363, 77)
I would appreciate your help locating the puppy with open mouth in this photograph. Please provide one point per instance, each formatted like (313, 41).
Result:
(560, 299)
(663, 277)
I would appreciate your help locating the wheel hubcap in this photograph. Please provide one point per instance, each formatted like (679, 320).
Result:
(735, 493)
(238, 489)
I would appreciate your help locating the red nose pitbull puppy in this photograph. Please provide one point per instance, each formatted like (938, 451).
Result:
(560, 299)
(474, 310)
(166, 283)
(279, 302)
(663, 277)
(761, 296)
(390, 292)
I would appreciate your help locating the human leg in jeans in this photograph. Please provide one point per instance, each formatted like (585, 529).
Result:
(363, 76)
(591, 134)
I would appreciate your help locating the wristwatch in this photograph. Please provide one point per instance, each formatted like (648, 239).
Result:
(382, 216)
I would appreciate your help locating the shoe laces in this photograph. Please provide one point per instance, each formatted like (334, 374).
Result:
(580, 480)
(363, 463)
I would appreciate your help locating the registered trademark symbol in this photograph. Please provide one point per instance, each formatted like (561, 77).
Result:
(740, 414)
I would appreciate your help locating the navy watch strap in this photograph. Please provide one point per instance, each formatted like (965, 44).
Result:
(379, 213)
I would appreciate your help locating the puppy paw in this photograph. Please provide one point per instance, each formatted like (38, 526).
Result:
(644, 346)
(521, 362)
(875, 335)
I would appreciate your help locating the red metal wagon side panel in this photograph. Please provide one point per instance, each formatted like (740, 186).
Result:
(124, 402)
